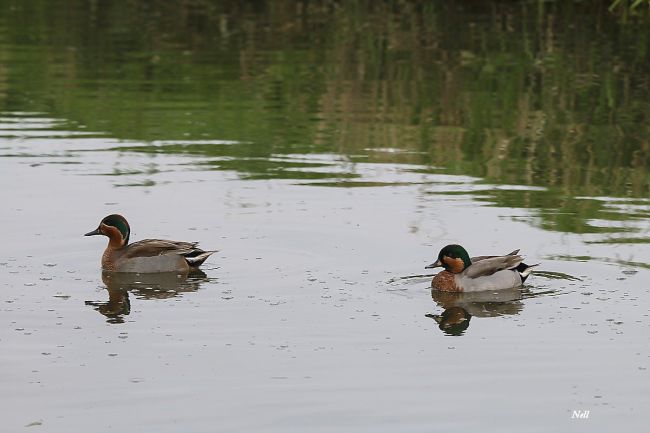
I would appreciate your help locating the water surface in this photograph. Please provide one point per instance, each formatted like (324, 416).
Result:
(328, 152)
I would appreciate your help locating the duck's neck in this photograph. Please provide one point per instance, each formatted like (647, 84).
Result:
(115, 239)
(115, 244)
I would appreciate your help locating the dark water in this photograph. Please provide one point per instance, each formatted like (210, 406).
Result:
(328, 151)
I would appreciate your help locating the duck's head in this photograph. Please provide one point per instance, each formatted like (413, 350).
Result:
(453, 258)
(116, 228)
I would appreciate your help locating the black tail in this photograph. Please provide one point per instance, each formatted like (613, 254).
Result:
(195, 258)
(525, 270)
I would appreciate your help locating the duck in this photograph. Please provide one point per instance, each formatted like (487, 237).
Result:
(148, 255)
(464, 274)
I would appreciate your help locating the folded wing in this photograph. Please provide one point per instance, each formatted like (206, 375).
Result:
(476, 259)
(157, 247)
(491, 265)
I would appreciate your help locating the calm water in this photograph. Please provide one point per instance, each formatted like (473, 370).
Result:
(328, 152)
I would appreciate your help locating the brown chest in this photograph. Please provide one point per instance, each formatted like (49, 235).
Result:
(108, 259)
(445, 281)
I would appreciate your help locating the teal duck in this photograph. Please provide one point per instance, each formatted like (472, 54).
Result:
(148, 255)
(464, 274)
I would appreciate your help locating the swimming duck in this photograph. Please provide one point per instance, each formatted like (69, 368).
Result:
(462, 274)
(145, 256)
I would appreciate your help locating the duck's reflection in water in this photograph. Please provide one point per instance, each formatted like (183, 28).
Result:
(117, 306)
(460, 307)
(452, 321)
(143, 286)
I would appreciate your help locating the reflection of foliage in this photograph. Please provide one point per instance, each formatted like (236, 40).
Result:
(560, 212)
(552, 94)
(627, 5)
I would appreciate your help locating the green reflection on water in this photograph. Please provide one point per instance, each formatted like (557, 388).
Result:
(548, 94)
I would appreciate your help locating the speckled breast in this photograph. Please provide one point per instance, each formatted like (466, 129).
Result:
(445, 281)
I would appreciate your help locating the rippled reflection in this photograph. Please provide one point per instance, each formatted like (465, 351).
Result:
(452, 321)
(482, 304)
(143, 286)
(516, 97)
(117, 306)
(460, 307)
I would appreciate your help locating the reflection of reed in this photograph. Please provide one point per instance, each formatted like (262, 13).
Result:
(529, 97)
(144, 286)
(517, 97)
